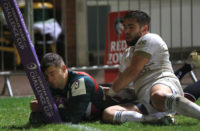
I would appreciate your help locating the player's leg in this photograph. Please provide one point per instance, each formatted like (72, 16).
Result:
(192, 62)
(120, 113)
(192, 92)
(180, 73)
(168, 98)
(133, 113)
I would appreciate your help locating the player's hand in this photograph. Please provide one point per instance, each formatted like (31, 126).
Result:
(111, 92)
(34, 106)
(105, 90)
(108, 91)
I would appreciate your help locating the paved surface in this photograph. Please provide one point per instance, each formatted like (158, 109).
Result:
(21, 86)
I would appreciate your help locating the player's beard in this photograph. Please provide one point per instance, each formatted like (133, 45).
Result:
(135, 39)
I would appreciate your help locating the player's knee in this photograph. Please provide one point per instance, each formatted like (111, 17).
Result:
(158, 100)
(108, 115)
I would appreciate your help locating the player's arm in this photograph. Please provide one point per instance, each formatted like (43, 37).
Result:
(130, 73)
(34, 106)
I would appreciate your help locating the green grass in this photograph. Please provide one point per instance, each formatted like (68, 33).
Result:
(14, 114)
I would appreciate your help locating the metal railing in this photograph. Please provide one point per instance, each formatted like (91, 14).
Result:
(177, 21)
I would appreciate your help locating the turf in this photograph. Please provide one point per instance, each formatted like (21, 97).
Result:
(14, 114)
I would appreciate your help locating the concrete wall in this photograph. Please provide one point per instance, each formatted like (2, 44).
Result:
(177, 21)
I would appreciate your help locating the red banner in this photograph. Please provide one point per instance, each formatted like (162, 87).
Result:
(115, 43)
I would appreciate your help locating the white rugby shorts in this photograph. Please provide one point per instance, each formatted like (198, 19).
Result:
(143, 95)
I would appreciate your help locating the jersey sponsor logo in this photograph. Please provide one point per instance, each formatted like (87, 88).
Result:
(78, 87)
(95, 83)
(142, 43)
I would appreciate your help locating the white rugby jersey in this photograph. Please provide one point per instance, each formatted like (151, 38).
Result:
(153, 47)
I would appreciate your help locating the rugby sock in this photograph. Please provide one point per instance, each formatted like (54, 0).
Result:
(183, 106)
(123, 116)
(183, 70)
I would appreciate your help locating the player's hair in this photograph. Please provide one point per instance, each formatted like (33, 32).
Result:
(141, 17)
(51, 59)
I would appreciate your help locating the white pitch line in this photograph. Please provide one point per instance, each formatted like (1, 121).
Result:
(83, 128)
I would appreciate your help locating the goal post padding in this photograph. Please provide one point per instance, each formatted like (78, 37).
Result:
(30, 60)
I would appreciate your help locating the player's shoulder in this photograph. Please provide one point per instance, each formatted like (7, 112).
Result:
(151, 35)
(83, 78)
(76, 75)
(152, 38)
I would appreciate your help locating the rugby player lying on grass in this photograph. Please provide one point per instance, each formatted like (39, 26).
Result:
(76, 94)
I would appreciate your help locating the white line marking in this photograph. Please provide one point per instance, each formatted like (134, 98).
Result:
(82, 127)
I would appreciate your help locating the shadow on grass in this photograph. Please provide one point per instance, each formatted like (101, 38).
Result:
(22, 127)
(128, 124)
(176, 124)
(186, 124)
